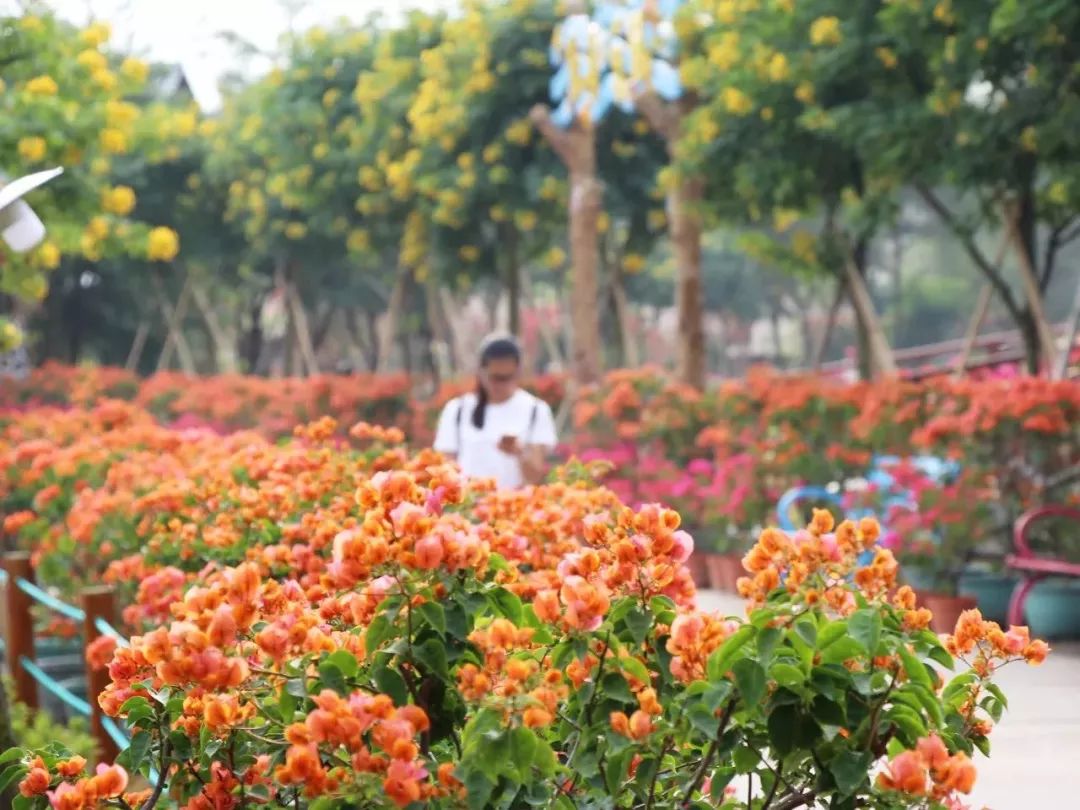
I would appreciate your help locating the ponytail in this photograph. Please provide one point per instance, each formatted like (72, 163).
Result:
(481, 406)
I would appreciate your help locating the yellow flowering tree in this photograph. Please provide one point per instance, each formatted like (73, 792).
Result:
(987, 137)
(768, 74)
(488, 187)
(66, 100)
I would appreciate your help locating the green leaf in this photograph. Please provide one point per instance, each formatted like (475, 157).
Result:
(745, 759)
(787, 674)
(807, 631)
(377, 632)
(914, 668)
(850, 770)
(958, 685)
(390, 682)
(832, 632)
(138, 749)
(828, 712)
(638, 622)
(478, 787)
(909, 722)
(995, 690)
(635, 668)
(522, 749)
(13, 754)
(432, 654)
(930, 703)
(344, 661)
(983, 744)
(721, 778)
(434, 615)
(942, 657)
(9, 775)
(720, 661)
(750, 680)
(767, 639)
(781, 724)
(614, 686)
(842, 650)
(703, 719)
(333, 678)
(508, 604)
(865, 627)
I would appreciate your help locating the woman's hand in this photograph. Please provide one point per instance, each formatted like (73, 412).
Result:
(533, 464)
(510, 445)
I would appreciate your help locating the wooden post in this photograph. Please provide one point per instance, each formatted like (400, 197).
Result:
(1030, 279)
(98, 603)
(20, 626)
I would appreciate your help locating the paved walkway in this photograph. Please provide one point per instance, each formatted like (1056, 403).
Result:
(1036, 749)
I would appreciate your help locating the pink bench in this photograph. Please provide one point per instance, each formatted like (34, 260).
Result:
(1033, 567)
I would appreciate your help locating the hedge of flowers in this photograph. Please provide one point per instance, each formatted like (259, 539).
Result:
(724, 458)
(320, 623)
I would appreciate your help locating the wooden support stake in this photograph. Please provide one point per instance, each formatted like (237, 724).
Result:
(137, 346)
(1030, 280)
(20, 626)
(174, 319)
(98, 603)
(303, 331)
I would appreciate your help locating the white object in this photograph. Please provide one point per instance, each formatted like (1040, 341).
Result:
(479, 455)
(20, 227)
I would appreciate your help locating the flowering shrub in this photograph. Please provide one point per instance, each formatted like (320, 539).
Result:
(320, 626)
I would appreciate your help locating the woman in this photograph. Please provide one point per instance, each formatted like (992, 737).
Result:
(501, 431)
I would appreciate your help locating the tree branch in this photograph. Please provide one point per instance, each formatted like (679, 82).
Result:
(993, 275)
(663, 116)
(557, 139)
(699, 775)
(795, 800)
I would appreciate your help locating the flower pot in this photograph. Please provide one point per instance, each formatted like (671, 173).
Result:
(699, 570)
(917, 578)
(946, 609)
(714, 566)
(731, 568)
(1053, 609)
(991, 591)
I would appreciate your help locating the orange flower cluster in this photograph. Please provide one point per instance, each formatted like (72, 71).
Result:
(350, 724)
(693, 638)
(929, 771)
(511, 677)
(816, 561)
(108, 783)
(992, 646)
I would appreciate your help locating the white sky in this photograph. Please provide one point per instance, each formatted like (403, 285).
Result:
(186, 31)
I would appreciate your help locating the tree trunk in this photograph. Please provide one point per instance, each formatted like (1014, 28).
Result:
(1039, 336)
(225, 359)
(576, 148)
(684, 228)
(684, 225)
(624, 316)
(304, 342)
(879, 355)
(391, 320)
(513, 280)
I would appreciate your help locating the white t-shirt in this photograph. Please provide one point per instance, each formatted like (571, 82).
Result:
(523, 415)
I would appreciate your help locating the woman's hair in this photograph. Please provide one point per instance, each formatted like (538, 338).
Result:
(496, 347)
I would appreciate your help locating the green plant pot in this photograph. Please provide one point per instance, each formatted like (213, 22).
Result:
(991, 591)
(918, 579)
(1053, 609)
